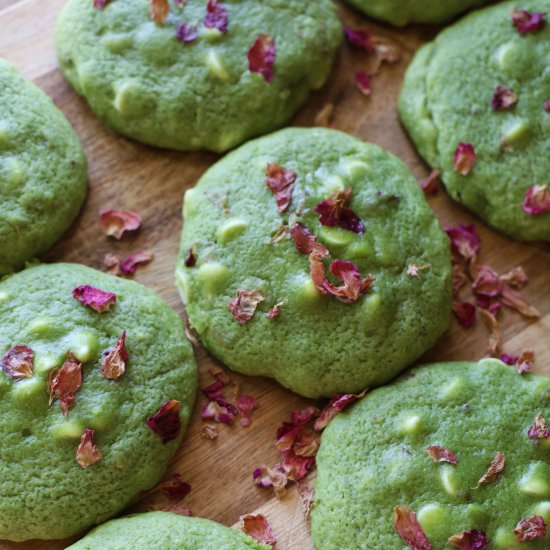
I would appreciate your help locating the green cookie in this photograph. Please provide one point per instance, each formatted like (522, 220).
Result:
(402, 12)
(373, 458)
(148, 84)
(483, 82)
(45, 492)
(165, 531)
(314, 343)
(42, 171)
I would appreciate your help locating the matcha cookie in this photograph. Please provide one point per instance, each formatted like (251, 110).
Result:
(400, 12)
(97, 383)
(451, 450)
(313, 258)
(42, 171)
(208, 75)
(488, 132)
(166, 531)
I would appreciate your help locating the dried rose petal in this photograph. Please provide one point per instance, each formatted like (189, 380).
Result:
(214, 390)
(187, 33)
(530, 529)
(301, 418)
(281, 233)
(487, 282)
(159, 10)
(440, 454)
(509, 359)
(539, 429)
(166, 422)
(281, 183)
(17, 362)
(276, 309)
(243, 306)
(363, 82)
(219, 410)
(459, 277)
(261, 56)
(464, 158)
(430, 184)
(129, 266)
(526, 22)
(386, 52)
(465, 312)
(178, 508)
(408, 528)
(324, 116)
(537, 200)
(306, 242)
(65, 382)
(547, 105)
(190, 259)
(245, 405)
(334, 212)
(494, 471)
(523, 362)
(94, 298)
(495, 331)
(469, 540)
(360, 38)
(114, 223)
(257, 527)
(335, 405)
(503, 98)
(515, 299)
(265, 477)
(114, 364)
(516, 277)
(175, 488)
(208, 432)
(464, 240)
(87, 452)
(99, 4)
(216, 16)
(354, 286)
(112, 263)
(414, 270)
(307, 493)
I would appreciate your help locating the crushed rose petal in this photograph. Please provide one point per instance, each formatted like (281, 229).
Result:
(526, 22)
(245, 405)
(465, 312)
(307, 493)
(363, 82)
(166, 422)
(408, 528)
(87, 452)
(503, 98)
(414, 270)
(516, 277)
(114, 223)
(219, 410)
(257, 527)
(464, 240)
(494, 471)
(469, 540)
(243, 306)
(175, 488)
(335, 405)
(537, 200)
(114, 364)
(515, 299)
(129, 266)
(112, 263)
(306, 242)
(539, 429)
(495, 331)
(440, 454)
(65, 382)
(187, 33)
(17, 362)
(214, 390)
(177, 508)
(208, 432)
(360, 38)
(159, 10)
(273, 313)
(334, 212)
(430, 184)
(216, 16)
(95, 298)
(530, 529)
(265, 477)
(261, 56)
(464, 158)
(281, 183)
(523, 362)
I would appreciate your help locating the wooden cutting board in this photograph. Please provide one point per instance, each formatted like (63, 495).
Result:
(126, 175)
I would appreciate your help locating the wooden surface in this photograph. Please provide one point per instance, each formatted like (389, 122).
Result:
(127, 175)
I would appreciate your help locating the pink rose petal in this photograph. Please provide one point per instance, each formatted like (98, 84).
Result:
(465, 312)
(306, 242)
(469, 540)
(17, 362)
(494, 471)
(464, 158)
(503, 98)
(334, 212)
(281, 183)
(243, 306)
(87, 452)
(360, 38)
(440, 454)
(537, 200)
(335, 405)
(216, 16)
(464, 240)
(130, 265)
(527, 22)
(65, 382)
(219, 410)
(530, 529)
(539, 429)
(114, 364)
(95, 298)
(363, 82)
(246, 405)
(261, 56)
(257, 527)
(430, 184)
(187, 33)
(166, 423)
(114, 223)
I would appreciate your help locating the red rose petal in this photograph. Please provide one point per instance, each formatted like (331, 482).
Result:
(335, 405)
(354, 286)
(469, 540)
(261, 56)
(306, 243)
(175, 488)
(408, 528)
(215, 390)
(276, 309)
(114, 223)
(464, 158)
(17, 362)
(301, 418)
(65, 382)
(159, 10)
(129, 266)
(440, 454)
(527, 22)
(487, 282)
(539, 429)
(494, 471)
(94, 298)
(464, 240)
(537, 200)
(281, 183)
(166, 422)
(465, 312)
(187, 33)
(503, 98)
(530, 529)
(257, 527)
(243, 306)
(363, 82)
(87, 452)
(430, 184)
(216, 16)
(219, 410)
(360, 38)
(245, 405)
(114, 365)
(334, 212)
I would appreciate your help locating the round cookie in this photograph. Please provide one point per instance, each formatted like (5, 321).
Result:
(400, 12)
(166, 531)
(149, 85)
(42, 171)
(45, 492)
(373, 458)
(498, 108)
(236, 239)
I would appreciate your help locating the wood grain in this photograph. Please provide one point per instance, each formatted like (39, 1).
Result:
(124, 174)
